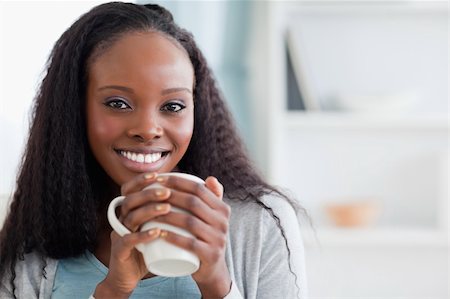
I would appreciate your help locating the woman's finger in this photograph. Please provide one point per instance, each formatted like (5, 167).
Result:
(195, 226)
(137, 199)
(188, 186)
(215, 186)
(138, 183)
(205, 252)
(137, 217)
(124, 245)
(192, 204)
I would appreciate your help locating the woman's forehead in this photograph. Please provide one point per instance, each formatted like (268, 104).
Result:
(143, 56)
(128, 37)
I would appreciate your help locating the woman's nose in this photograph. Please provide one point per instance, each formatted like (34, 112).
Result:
(145, 127)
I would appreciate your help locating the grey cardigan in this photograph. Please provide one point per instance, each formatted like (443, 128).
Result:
(256, 256)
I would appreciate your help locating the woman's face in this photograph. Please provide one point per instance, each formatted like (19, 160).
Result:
(140, 109)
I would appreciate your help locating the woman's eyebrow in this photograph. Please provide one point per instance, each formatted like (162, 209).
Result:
(176, 89)
(118, 87)
(130, 90)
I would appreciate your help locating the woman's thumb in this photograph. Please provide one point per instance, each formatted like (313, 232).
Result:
(213, 184)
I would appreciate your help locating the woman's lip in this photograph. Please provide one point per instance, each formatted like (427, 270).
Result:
(142, 167)
(141, 151)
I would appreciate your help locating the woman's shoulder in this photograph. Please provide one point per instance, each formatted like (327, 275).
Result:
(269, 209)
(267, 218)
(268, 229)
(35, 265)
(29, 274)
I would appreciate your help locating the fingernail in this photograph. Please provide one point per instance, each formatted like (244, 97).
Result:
(154, 232)
(162, 207)
(163, 234)
(149, 176)
(160, 179)
(162, 192)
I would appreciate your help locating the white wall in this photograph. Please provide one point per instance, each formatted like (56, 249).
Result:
(28, 31)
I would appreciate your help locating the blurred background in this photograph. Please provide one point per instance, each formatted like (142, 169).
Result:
(342, 103)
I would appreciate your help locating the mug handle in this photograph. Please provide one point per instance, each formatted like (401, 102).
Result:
(112, 218)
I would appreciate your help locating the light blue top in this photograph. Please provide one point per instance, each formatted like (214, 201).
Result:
(77, 278)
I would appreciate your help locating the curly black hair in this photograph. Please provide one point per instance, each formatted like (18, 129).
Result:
(54, 209)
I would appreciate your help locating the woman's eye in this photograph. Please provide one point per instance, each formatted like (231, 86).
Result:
(117, 104)
(173, 107)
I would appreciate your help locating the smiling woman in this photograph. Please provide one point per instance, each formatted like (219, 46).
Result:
(128, 97)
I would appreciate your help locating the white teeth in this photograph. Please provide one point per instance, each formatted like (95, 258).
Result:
(156, 156)
(141, 158)
(150, 158)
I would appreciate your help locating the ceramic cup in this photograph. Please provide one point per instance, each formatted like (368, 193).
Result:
(161, 257)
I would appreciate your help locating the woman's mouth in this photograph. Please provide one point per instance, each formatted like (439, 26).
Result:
(143, 162)
(142, 158)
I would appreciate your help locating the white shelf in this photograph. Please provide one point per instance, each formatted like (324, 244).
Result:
(348, 120)
(332, 237)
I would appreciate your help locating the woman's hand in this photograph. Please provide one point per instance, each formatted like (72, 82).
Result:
(126, 265)
(209, 225)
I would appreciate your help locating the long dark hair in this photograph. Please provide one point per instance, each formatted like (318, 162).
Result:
(57, 197)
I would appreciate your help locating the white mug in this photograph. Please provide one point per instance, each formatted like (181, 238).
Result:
(161, 257)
